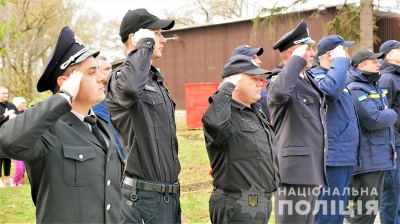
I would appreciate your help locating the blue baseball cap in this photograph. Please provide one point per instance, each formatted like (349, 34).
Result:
(247, 50)
(331, 42)
(388, 46)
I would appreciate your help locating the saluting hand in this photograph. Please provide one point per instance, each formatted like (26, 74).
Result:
(300, 51)
(72, 83)
(338, 52)
(234, 79)
(142, 33)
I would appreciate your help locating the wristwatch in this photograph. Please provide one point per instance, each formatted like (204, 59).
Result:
(66, 95)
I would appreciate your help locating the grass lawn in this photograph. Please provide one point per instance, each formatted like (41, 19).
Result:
(16, 204)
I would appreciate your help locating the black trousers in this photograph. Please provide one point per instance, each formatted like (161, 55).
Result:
(5, 163)
(226, 209)
(149, 207)
(295, 203)
(366, 202)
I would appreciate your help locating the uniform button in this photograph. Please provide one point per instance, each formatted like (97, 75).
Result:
(304, 100)
(108, 159)
(148, 42)
(324, 135)
(325, 150)
(108, 207)
(108, 182)
(80, 156)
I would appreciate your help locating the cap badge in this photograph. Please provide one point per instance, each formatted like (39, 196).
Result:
(77, 40)
(254, 62)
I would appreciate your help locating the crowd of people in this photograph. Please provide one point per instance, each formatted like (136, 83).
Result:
(322, 139)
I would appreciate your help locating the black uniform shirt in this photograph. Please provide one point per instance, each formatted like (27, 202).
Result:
(142, 113)
(240, 144)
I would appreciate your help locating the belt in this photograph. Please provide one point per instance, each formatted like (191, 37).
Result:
(237, 194)
(151, 186)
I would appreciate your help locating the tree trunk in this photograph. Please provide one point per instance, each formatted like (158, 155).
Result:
(366, 24)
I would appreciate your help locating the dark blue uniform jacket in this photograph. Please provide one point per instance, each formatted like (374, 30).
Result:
(342, 121)
(377, 136)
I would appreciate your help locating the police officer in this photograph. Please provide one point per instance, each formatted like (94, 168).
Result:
(342, 124)
(254, 53)
(297, 107)
(241, 147)
(75, 174)
(143, 115)
(377, 152)
(390, 83)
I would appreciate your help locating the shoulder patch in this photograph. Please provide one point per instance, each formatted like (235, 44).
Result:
(362, 97)
(274, 77)
(150, 88)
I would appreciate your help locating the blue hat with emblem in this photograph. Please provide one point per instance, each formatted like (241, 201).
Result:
(69, 50)
(298, 35)
(242, 64)
(388, 46)
(331, 42)
(247, 50)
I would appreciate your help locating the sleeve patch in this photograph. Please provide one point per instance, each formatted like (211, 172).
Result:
(362, 97)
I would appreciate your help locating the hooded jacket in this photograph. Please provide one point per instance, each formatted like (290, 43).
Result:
(376, 121)
(390, 84)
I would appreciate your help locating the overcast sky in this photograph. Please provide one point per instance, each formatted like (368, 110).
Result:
(117, 8)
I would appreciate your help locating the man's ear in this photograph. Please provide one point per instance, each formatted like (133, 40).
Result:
(61, 79)
(329, 55)
(289, 53)
(130, 38)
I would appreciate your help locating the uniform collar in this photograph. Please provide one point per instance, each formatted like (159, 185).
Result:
(254, 106)
(81, 116)
(155, 74)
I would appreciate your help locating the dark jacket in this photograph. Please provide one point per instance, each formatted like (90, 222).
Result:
(73, 179)
(390, 84)
(298, 114)
(143, 115)
(240, 144)
(342, 121)
(377, 136)
(3, 107)
(263, 104)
